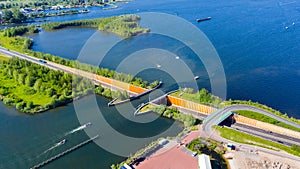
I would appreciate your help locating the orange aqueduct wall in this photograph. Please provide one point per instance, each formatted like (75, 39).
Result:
(191, 105)
(255, 123)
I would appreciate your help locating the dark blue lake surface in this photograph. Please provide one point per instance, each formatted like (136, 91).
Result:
(25, 139)
(259, 55)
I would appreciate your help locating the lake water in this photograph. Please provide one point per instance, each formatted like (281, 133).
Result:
(24, 138)
(259, 55)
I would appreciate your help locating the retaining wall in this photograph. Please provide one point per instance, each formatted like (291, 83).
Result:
(191, 105)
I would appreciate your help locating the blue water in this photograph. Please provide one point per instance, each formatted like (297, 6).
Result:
(24, 138)
(259, 55)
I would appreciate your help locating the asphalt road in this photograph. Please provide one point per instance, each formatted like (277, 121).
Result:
(207, 126)
(276, 137)
(63, 68)
(210, 133)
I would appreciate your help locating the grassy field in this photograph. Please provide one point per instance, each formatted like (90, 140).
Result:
(261, 106)
(3, 57)
(13, 43)
(24, 92)
(188, 96)
(241, 137)
(264, 118)
(202, 97)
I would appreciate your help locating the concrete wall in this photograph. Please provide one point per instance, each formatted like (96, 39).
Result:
(255, 123)
(191, 105)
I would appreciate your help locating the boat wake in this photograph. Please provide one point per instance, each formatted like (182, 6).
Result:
(54, 146)
(79, 128)
(64, 140)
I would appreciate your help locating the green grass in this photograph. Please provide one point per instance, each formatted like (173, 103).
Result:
(12, 43)
(241, 137)
(3, 57)
(264, 107)
(146, 108)
(264, 118)
(21, 92)
(202, 97)
(200, 146)
(187, 96)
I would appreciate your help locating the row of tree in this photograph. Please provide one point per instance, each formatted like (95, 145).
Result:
(123, 25)
(20, 30)
(91, 23)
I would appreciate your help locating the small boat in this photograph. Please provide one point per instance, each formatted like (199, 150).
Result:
(62, 141)
(196, 77)
(204, 19)
(87, 124)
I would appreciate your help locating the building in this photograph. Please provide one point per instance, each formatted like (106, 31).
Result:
(204, 161)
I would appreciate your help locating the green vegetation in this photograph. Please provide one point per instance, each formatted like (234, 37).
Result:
(45, 4)
(22, 45)
(173, 113)
(202, 97)
(269, 109)
(123, 25)
(214, 149)
(3, 57)
(241, 137)
(34, 88)
(20, 30)
(13, 16)
(264, 118)
(110, 93)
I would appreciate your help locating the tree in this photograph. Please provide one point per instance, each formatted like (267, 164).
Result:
(21, 78)
(18, 16)
(20, 105)
(37, 84)
(14, 16)
(29, 81)
(50, 92)
(29, 105)
(15, 74)
(8, 15)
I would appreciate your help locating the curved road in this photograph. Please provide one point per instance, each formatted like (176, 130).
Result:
(209, 132)
(207, 126)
